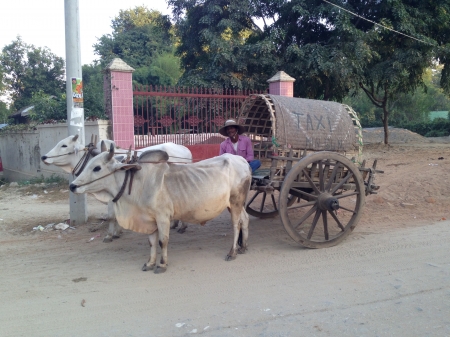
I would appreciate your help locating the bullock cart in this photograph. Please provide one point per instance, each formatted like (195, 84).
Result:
(312, 173)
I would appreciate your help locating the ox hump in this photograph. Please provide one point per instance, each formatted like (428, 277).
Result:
(153, 156)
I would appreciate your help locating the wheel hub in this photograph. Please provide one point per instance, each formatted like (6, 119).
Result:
(326, 202)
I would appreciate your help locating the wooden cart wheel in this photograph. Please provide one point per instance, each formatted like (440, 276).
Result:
(265, 204)
(333, 195)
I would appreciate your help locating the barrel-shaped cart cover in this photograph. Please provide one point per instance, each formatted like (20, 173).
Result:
(299, 123)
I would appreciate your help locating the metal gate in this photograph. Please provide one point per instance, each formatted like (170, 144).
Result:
(186, 116)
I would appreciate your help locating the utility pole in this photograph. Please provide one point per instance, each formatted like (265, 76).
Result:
(74, 92)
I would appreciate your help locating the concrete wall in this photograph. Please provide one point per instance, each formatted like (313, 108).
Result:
(21, 151)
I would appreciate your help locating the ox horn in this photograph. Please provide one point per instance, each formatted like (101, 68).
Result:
(111, 153)
(74, 138)
(103, 147)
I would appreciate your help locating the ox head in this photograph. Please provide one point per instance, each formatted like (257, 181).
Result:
(99, 175)
(64, 154)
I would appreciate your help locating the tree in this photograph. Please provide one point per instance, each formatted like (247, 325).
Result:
(164, 70)
(243, 43)
(139, 35)
(28, 69)
(94, 105)
(4, 113)
(327, 49)
(400, 61)
(213, 45)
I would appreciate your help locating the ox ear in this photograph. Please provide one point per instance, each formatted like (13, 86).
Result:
(103, 146)
(74, 138)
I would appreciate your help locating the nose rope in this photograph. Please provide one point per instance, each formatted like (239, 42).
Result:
(60, 155)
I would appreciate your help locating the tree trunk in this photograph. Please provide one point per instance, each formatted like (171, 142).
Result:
(386, 125)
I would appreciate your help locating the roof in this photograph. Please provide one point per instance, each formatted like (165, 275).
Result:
(119, 65)
(25, 111)
(281, 76)
(438, 114)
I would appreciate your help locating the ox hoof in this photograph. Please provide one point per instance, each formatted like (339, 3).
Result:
(107, 239)
(181, 230)
(147, 268)
(160, 270)
(241, 250)
(230, 258)
(116, 236)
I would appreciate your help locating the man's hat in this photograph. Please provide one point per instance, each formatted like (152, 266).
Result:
(231, 122)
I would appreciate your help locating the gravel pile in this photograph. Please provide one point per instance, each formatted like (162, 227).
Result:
(396, 135)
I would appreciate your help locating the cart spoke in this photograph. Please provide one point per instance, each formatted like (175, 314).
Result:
(340, 196)
(309, 195)
(262, 203)
(321, 178)
(314, 223)
(306, 216)
(337, 220)
(333, 176)
(311, 182)
(309, 203)
(274, 203)
(325, 225)
(347, 209)
(342, 182)
(253, 198)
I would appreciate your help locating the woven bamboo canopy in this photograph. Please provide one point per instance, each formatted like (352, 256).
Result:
(299, 123)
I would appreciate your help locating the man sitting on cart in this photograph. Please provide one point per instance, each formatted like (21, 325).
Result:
(237, 143)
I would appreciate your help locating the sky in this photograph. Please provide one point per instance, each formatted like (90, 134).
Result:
(41, 23)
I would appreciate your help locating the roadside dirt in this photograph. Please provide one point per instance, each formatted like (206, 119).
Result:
(393, 268)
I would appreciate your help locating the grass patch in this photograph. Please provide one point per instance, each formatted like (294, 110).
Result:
(55, 180)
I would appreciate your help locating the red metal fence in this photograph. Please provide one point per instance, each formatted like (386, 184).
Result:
(184, 116)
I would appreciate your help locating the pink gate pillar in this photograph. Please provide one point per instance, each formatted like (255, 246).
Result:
(118, 91)
(281, 84)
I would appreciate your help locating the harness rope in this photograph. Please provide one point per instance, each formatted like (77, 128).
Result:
(128, 173)
(84, 160)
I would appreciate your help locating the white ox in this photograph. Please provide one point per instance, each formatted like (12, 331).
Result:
(68, 152)
(194, 193)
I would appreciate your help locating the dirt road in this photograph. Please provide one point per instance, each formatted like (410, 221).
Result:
(391, 277)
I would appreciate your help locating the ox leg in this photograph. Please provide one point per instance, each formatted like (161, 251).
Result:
(114, 230)
(243, 233)
(174, 224)
(183, 227)
(239, 219)
(150, 265)
(163, 230)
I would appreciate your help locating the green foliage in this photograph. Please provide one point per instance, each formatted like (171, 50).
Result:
(27, 69)
(439, 127)
(19, 127)
(164, 70)
(329, 51)
(4, 113)
(406, 107)
(94, 104)
(53, 179)
(48, 109)
(214, 48)
(143, 38)
(138, 36)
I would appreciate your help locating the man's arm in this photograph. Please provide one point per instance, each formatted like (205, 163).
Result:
(249, 149)
(222, 148)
